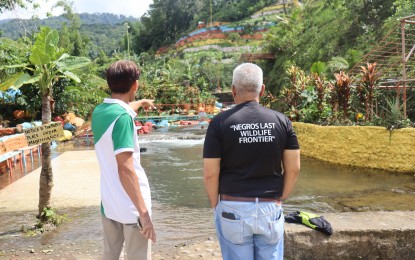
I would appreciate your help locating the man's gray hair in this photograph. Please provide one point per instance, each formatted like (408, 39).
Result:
(248, 78)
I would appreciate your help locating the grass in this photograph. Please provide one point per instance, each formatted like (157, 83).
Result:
(48, 221)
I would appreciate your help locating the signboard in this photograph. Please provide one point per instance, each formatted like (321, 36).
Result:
(44, 133)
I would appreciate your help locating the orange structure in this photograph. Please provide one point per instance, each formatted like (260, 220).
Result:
(394, 56)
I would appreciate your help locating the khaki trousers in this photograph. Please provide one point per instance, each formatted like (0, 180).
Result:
(137, 246)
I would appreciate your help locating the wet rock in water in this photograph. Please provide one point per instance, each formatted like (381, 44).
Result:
(47, 251)
(181, 245)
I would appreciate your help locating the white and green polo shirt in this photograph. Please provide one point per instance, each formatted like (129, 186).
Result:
(114, 133)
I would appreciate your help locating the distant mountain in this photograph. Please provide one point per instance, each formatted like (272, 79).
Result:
(16, 28)
(5, 21)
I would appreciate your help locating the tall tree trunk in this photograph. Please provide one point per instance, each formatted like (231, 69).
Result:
(46, 175)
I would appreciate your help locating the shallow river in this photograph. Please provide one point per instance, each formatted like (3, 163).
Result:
(173, 162)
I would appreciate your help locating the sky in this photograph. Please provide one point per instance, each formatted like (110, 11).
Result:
(135, 8)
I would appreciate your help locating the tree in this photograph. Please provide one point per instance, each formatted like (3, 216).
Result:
(47, 63)
(65, 40)
(11, 4)
(78, 42)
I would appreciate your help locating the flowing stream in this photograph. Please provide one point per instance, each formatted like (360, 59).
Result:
(173, 162)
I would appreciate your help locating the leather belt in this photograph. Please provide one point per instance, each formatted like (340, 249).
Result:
(247, 199)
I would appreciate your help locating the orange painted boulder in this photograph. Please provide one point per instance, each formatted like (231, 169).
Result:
(19, 114)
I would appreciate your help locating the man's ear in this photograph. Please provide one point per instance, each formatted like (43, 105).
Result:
(135, 86)
(262, 90)
(233, 91)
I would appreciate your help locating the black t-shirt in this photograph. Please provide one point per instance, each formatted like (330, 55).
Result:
(250, 140)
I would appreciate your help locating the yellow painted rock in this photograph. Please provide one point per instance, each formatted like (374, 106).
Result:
(67, 136)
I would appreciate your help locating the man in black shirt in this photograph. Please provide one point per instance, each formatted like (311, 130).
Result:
(251, 163)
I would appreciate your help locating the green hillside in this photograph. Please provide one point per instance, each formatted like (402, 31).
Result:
(308, 39)
(300, 34)
(99, 31)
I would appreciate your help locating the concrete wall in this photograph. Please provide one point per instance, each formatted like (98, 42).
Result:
(363, 235)
(362, 146)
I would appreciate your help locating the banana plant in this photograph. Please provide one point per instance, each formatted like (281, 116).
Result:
(47, 63)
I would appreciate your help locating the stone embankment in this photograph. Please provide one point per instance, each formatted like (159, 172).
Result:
(362, 146)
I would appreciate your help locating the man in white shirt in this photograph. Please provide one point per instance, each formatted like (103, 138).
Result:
(125, 192)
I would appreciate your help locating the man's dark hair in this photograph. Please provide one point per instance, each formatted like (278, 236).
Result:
(121, 76)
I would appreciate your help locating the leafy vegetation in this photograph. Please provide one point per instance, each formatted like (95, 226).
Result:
(168, 20)
(43, 68)
(49, 215)
(11, 4)
(48, 220)
(337, 33)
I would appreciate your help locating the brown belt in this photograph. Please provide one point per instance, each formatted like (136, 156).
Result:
(247, 199)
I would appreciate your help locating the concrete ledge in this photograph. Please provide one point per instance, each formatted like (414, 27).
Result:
(363, 235)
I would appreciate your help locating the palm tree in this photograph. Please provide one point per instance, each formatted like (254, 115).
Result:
(47, 63)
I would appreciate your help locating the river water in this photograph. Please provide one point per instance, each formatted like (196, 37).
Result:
(173, 162)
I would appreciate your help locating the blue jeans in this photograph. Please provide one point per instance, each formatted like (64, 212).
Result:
(256, 232)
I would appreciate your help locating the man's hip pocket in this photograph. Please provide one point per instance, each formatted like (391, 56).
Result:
(232, 229)
(276, 228)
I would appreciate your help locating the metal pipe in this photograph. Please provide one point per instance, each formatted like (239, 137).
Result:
(410, 53)
(403, 67)
(408, 17)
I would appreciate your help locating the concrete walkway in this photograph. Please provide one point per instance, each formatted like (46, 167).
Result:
(76, 180)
